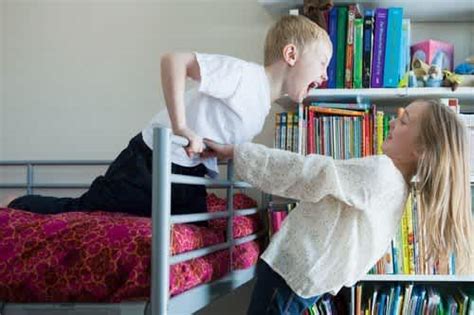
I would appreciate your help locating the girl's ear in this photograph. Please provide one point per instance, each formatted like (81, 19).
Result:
(290, 54)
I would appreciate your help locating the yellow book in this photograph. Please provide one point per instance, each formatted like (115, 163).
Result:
(404, 227)
(379, 132)
(411, 248)
(421, 253)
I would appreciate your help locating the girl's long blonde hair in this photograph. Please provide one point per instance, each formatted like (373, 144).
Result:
(444, 186)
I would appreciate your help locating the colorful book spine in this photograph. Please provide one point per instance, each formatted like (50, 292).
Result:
(341, 46)
(289, 131)
(410, 239)
(332, 30)
(405, 48)
(349, 47)
(283, 131)
(358, 59)
(393, 42)
(277, 131)
(295, 145)
(335, 111)
(367, 49)
(350, 106)
(379, 135)
(406, 254)
(310, 144)
(301, 122)
(378, 54)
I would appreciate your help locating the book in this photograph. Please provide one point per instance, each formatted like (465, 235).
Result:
(391, 74)
(335, 111)
(350, 106)
(351, 13)
(378, 53)
(332, 31)
(277, 131)
(367, 49)
(283, 130)
(405, 48)
(340, 53)
(358, 59)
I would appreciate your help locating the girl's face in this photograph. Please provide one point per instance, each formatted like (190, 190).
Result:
(401, 143)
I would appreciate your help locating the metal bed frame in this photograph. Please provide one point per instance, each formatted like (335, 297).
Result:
(187, 302)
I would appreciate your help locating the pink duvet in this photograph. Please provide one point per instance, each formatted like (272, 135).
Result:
(105, 257)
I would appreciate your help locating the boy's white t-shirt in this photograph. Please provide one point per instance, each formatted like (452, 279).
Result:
(229, 105)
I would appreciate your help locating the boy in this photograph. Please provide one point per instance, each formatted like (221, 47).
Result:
(229, 106)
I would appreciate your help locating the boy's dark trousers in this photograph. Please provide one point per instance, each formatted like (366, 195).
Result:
(125, 187)
(272, 296)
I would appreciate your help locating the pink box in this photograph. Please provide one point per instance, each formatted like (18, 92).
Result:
(430, 49)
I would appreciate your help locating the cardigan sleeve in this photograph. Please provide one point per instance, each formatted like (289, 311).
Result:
(308, 178)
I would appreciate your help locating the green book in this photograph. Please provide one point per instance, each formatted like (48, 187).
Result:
(341, 47)
(358, 42)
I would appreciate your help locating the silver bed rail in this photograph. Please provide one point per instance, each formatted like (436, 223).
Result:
(162, 178)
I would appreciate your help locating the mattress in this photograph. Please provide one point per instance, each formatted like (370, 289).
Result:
(105, 257)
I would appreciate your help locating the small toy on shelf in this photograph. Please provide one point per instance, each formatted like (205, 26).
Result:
(315, 9)
(424, 75)
(451, 79)
(466, 67)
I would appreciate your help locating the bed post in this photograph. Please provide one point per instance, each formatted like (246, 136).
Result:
(230, 210)
(161, 211)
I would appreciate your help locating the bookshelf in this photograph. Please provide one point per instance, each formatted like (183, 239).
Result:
(395, 95)
(417, 11)
(419, 278)
(455, 16)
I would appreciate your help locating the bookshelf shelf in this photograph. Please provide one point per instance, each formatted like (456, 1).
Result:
(464, 94)
(418, 278)
(417, 11)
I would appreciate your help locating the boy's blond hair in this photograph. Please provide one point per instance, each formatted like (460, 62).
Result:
(293, 29)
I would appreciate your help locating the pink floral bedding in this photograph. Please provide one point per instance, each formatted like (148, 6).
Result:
(105, 257)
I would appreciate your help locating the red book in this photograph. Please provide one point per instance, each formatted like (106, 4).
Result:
(310, 132)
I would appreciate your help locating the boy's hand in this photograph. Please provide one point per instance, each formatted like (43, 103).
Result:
(222, 151)
(195, 146)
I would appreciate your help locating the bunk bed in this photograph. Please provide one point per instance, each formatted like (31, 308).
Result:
(189, 265)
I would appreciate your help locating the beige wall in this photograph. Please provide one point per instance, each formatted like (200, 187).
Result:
(83, 77)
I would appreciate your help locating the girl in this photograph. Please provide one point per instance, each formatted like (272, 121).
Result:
(350, 209)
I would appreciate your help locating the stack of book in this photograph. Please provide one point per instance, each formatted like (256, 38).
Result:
(371, 48)
(410, 299)
(340, 130)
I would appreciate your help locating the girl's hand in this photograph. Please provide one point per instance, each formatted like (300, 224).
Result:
(222, 151)
(195, 146)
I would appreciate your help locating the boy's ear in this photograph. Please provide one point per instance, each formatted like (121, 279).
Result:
(290, 54)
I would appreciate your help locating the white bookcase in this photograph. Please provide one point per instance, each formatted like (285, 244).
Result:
(428, 18)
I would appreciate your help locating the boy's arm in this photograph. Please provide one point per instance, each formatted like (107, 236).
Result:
(306, 178)
(175, 68)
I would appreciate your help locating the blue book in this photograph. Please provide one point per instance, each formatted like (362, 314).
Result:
(392, 49)
(383, 298)
(283, 118)
(395, 257)
(332, 30)
(378, 52)
(367, 47)
(405, 48)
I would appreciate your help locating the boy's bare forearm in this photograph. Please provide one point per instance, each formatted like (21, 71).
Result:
(175, 68)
